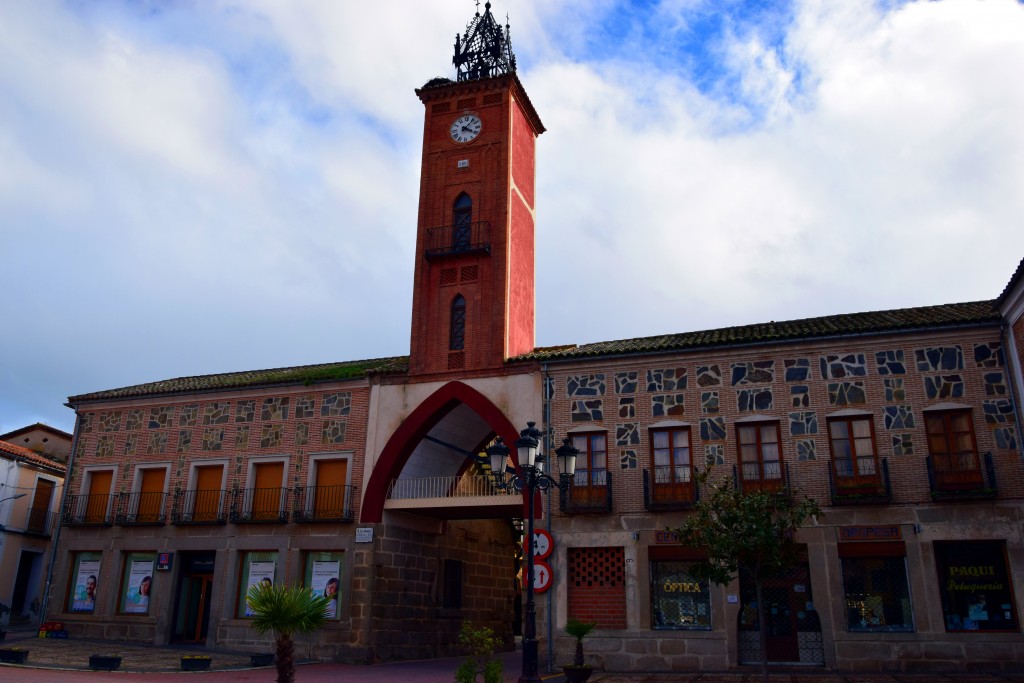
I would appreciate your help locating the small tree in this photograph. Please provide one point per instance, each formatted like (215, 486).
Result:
(481, 641)
(579, 630)
(751, 532)
(286, 610)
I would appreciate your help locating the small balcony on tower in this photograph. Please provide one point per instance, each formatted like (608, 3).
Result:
(458, 240)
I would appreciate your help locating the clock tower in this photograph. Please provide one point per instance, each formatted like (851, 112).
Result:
(473, 292)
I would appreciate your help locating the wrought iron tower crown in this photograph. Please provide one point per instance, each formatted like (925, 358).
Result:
(484, 50)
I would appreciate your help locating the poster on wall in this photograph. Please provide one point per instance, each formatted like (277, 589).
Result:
(326, 581)
(140, 581)
(86, 586)
(260, 571)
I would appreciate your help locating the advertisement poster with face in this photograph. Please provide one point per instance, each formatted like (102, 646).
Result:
(260, 572)
(326, 581)
(86, 586)
(140, 581)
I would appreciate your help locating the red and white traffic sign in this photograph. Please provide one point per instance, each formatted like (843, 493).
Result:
(543, 544)
(541, 576)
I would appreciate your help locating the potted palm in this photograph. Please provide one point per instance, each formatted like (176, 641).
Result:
(578, 672)
(13, 655)
(285, 611)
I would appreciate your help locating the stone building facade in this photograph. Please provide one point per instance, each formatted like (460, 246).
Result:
(369, 477)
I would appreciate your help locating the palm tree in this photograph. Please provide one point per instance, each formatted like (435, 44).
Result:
(286, 610)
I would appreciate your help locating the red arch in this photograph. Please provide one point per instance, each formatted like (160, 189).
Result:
(412, 430)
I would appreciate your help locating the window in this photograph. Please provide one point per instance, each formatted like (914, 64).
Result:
(854, 457)
(678, 599)
(760, 456)
(257, 567)
(330, 494)
(953, 451)
(148, 503)
(206, 494)
(97, 500)
(590, 482)
(136, 583)
(457, 325)
(264, 499)
(672, 472)
(39, 513)
(83, 582)
(323, 576)
(462, 222)
(877, 593)
(975, 587)
(452, 597)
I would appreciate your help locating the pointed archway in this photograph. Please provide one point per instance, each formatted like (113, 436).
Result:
(416, 427)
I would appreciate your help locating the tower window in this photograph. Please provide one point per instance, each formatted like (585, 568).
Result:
(462, 221)
(457, 329)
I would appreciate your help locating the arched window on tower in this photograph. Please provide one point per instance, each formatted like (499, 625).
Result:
(462, 221)
(457, 327)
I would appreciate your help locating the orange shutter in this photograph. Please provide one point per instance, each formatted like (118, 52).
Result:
(329, 498)
(207, 493)
(266, 496)
(151, 494)
(99, 496)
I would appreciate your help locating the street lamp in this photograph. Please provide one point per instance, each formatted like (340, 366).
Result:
(531, 478)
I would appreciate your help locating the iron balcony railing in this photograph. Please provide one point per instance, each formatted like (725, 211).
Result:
(324, 504)
(772, 477)
(266, 505)
(588, 491)
(141, 508)
(204, 506)
(471, 238)
(861, 489)
(670, 488)
(31, 522)
(466, 486)
(960, 476)
(88, 510)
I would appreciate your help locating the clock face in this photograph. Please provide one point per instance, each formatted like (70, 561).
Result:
(466, 128)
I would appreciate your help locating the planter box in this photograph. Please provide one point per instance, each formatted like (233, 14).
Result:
(104, 662)
(195, 664)
(9, 656)
(262, 659)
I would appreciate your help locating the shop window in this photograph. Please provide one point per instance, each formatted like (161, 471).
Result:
(136, 583)
(875, 586)
(760, 456)
(452, 597)
(323, 576)
(83, 582)
(678, 599)
(256, 567)
(975, 587)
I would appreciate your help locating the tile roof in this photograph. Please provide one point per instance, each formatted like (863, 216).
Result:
(900, 320)
(303, 374)
(1018, 275)
(14, 451)
(38, 425)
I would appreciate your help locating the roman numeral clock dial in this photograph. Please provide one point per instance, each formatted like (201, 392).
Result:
(466, 128)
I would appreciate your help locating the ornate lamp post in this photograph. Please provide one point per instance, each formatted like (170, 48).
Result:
(531, 478)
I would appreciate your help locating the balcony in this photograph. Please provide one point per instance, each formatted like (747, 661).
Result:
(775, 478)
(451, 240)
(204, 506)
(88, 510)
(31, 522)
(259, 506)
(665, 492)
(849, 489)
(962, 476)
(590, 491)
(469, 496)
(142, 509)
(324, 504)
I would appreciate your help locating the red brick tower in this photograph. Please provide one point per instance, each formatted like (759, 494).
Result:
(473, 296)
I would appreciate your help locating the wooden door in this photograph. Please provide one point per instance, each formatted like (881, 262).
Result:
(266, 494)
(151, 495)
(206, 506)
(329, 495)
(40, 510)
(98, 501)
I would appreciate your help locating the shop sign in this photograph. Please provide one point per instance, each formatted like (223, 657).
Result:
(665, 537)
(870, 533)
(164, 561)
(364, 534)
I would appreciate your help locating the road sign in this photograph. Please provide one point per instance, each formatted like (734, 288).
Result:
(541, 576)
(543, 544)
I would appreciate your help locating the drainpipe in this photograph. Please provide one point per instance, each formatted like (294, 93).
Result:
(1011, 366)
(550, 597)
(44, 605)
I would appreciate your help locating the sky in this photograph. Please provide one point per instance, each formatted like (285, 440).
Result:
(221, 185)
